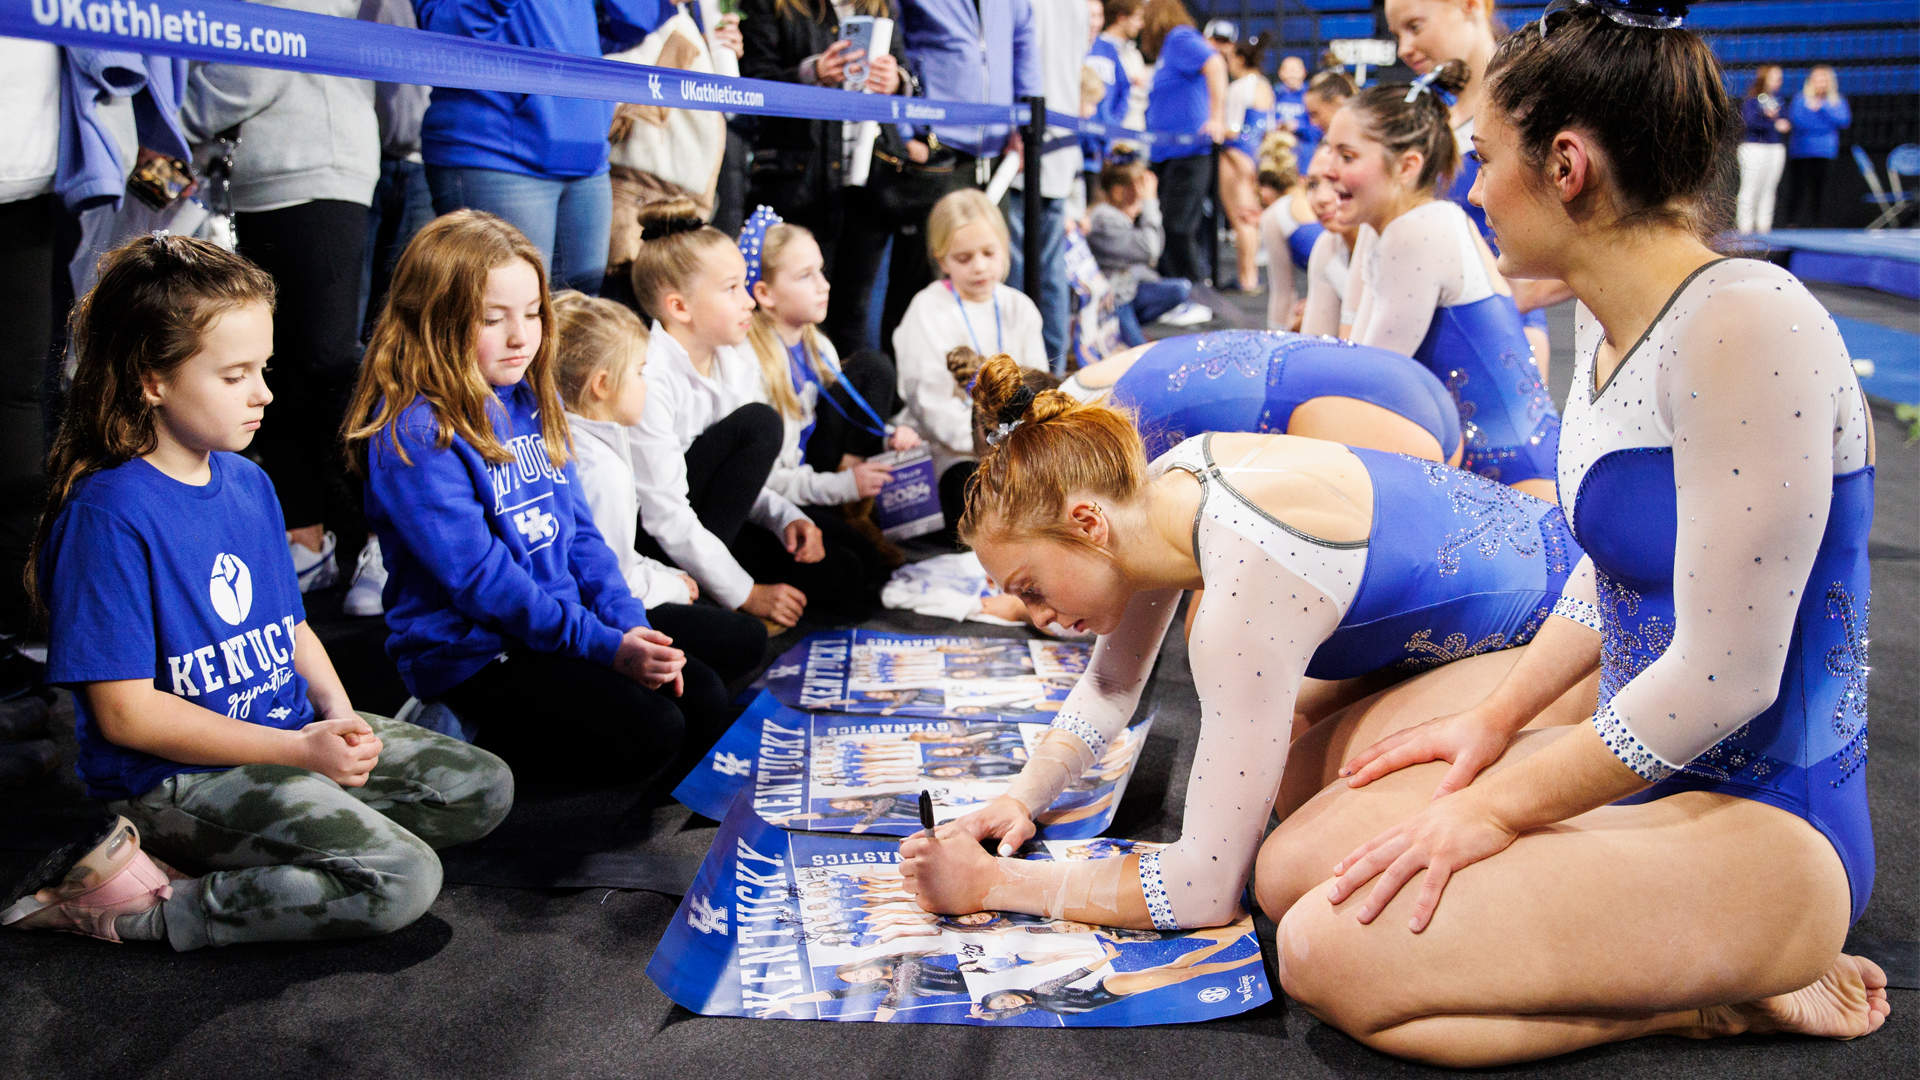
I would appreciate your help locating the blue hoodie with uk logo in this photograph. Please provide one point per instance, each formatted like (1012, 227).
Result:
(482, 556)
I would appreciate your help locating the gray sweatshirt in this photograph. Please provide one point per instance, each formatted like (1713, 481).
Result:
(1126, 248)
(302, 137)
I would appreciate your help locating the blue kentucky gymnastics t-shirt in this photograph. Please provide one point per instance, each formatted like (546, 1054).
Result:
(150, 578)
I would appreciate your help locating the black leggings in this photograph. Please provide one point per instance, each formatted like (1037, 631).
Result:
(564, 722)
(26, 280)
(727, 465)
(1806, 190)
(732, 643)
(953, 494)
(834, 435)
(314, 252)
(1183, 205)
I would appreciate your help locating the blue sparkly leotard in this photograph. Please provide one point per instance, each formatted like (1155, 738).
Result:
(1480, 351)
(1253, 130)
(1807, 751)
(1454, 566)
(1300, 242)
(1253, 380)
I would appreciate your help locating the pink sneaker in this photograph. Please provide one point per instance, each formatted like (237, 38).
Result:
(82, 888)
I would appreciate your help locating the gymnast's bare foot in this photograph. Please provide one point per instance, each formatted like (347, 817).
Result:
(1849, 1001)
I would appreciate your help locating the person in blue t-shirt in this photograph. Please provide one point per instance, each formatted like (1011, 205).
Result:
(207, 713)
(1189, 97)
(503, 601)
(1290, 106)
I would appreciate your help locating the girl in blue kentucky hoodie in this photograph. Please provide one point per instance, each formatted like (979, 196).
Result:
(502, 599)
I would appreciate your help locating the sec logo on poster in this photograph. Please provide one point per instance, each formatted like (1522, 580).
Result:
(231, 589)
(1213, 995)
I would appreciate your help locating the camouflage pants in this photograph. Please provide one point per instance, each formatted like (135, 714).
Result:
(289, 855)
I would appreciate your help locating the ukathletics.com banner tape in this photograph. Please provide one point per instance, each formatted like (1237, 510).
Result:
(232, 32)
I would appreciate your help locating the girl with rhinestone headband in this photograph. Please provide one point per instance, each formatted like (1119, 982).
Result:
(1302, 577)
(1423, 282)
(1689, 860)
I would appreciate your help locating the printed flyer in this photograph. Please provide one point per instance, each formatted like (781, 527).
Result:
(809, 927)
(834, 772)
(961, 678)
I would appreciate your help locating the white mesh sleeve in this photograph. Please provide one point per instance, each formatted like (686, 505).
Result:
(1323, 294)
(1580, 599)
(1101, 703)
(1757, 382)
(1411, 270)
(1252, 639)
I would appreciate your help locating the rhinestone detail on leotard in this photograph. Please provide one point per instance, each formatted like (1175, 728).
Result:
(1085, 732)
(1154, 888)
(1500, 517)
(1569, 607)
(1848, 661)
(1631, 751)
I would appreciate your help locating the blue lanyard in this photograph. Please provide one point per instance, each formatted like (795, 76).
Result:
(877, 428)
(999, 338)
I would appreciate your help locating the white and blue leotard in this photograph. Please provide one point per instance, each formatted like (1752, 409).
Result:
(1720, 482)
(1252, 381)
(1453, 565)
(1428, 295)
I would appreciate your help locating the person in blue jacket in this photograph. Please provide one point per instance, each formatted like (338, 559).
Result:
(1189, 97)
(1818, 114)
(538, 161)
(503, 601)
(961, 50)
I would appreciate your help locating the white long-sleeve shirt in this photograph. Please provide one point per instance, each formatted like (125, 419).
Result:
(792, 477)
(935, 323)
(605, 467)
(682, 403)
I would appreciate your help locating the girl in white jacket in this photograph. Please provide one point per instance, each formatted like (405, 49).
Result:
(835, 415)
(602, 356)
(967, 239)
(706, 444)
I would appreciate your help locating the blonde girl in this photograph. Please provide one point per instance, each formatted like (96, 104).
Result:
(208, 716)
(967, 241)
(601, 360)
(707, 441)
(503, 600)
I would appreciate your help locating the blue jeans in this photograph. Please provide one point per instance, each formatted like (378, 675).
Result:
(569, 220)
(1054, 312)
(402, 206)
(1151, 299)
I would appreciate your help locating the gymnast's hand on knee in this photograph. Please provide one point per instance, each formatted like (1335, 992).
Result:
(1450, 834)
(947, 870)
(1465, 739)
(1004, 817)
(648, 657)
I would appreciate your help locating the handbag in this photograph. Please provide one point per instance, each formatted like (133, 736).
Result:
(906, 189)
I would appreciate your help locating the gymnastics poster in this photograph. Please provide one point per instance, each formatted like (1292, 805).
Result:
(962, 678)
(811, 927)
(835, 772)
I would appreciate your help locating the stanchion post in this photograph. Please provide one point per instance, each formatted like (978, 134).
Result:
(1033, 210)
(1214, 219)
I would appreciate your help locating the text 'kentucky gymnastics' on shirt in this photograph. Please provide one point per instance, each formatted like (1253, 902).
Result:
(151, 578)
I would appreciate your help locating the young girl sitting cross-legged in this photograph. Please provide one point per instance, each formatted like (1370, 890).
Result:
(602, 360)
(503, 601)
(969, 305)
(207, 713)
(835, 414)
(707, 442)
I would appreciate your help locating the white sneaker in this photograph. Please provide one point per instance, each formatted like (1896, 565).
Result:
(369, 582)
(315, 569)
(1187, 314)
